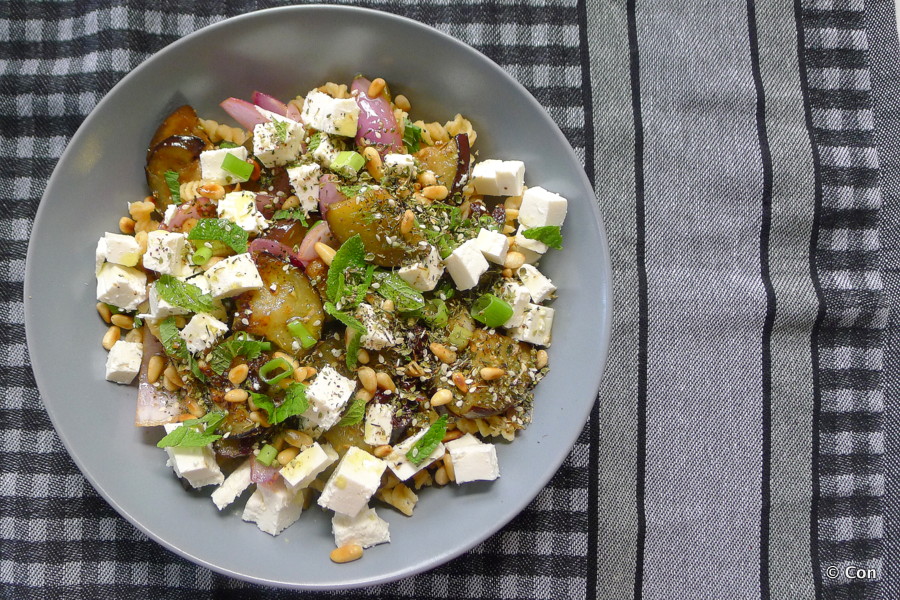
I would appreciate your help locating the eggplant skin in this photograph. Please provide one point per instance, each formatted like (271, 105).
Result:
(178, 153)
(182, 121)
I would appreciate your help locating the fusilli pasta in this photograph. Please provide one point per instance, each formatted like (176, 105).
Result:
(219, 132)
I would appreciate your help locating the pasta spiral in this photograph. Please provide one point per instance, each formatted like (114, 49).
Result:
(219, 132)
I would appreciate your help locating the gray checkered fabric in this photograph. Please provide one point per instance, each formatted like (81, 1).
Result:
(746, 158)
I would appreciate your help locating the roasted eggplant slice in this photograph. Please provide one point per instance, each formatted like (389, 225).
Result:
(449, 161)
(178, 153)
(183, 121)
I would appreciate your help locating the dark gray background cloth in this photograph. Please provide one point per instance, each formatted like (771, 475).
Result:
(745, 157)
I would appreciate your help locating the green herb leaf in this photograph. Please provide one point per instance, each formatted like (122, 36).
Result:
(352, 253)
(548, 234)
(295, 403)
(412, 136)
(281, 129)
(264, 402)
(227, 144)
(298, 214)
(405, 297)
(194, 433)
(171, 339)
(183, 295)
(220, 230)
(354, 414)
(358, 330)
(195, 369)
(174, 186)
(314, 141)
(428, 442)
(350, 191)
(138, 322)
(241, 344)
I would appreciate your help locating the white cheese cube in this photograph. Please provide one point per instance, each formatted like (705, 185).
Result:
(307, 465)
(353, 482)
(272, 507)
(379, 424)
(423, 275)
(401, 466)
(211, 165)
(168, 253)
(466, 265)
(277, 141)
(305, 181)
(540, 208)
(328, 394)
(170, 212)
(123, 287)
(539, 286)
(325, 152)
(240, 209)
(493, 244)
(234, 485)
(121, 249)
(99, 255)
(124, 361)
(232, 276)
(473, 460)
(535, 327)
(366, 529)
(202, 331)
(378, 329)
(195, 464)
(499, 177)
(401, 165)
(159, 308)
(526, 245)
(331, 115)
(519, 298)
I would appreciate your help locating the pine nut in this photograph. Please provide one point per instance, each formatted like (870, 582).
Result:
(297, 438)
(172, 373)
(414, 369)
(459, 381)
(441, 397)
(135, 335)
(385, 382)
(155, 368)
(236, 395)
(169, 385)
(376, 87)
(542, 359)
(291, 202)
(213, 191)
(123, 321)
(514, 260)
(363, 356)
(443, 353)
(301, 374)
(325, 252)
(365, 395)
(453, 434)
(402, 102)
(278, 442)
(507, 273)
(448, 466)
(373, 162)
(287, 455)
(126, 225)
(512, 202)
(427, 178)
(111, 336)
(238, 374)
(440, 476)
(435, 192)
(104, 312)
(180, 322)
(184, 417)
(347, 553)
(406, 223)
(491, 373)
(259, 416)
(311, 371)
(195, 409)
(387, 306)
(382, 451)
(511, 214)
(508, 229)
(368, 379)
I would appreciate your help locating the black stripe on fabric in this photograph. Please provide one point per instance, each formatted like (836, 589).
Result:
(853, 218)
(852, 464)
(806, 62)
(854, 379)
(841, 19)
(855, 422)
(859, 177)
(838, 58)
(643, 325)
(768, 323)
(840, 99)
(854, 551)
(852, 259)
(854, 138)
(593, 541)
(851, 506)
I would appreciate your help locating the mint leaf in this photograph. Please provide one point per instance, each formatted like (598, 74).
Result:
(183, 295)
(548, 234)
(281, 129)
(351, 254)
(412, 136)
(354, 414)
(227, 144)
(314, 141)
(171, 339)
(428, 442)
(174, 186)
(295, 403)
(350, 191)
(355, 326)
(405, 297)
(297, 214)
(241, 344)
(194, 433)
(220, 230)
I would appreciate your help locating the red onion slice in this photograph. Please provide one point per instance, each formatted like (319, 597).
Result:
(329, 193)
(273, 247)
(243, 112)
(155, 405)
(293, 112)
(377, 125)
(260, 473)
(200, 207)
(307, 251)
(269, 103)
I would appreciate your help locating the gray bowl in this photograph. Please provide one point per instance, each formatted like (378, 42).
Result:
(285, 52)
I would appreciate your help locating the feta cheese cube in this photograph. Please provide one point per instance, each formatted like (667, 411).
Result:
(121, 249)
(232, 276)
(539, 286)
(378, 329)
(519, 298)
(331, 115)
(401, 165)
(401, 466)
(328, 395)
(425, 274)
(473, 460)
(278, 141)
(353, 482)
(202, 331)
(240, 209)
(540, 208)
(305, 181)
(493, 244)
(366, 529)
(124, 287)
(499, 177)
(168, 253)
(234, 485)
(124, 361)
(159, 308)
(535, 327)
(211, 165)
(170, 212)
(99, 255)
(325, 152)
(378, 428)
(525, 245)
(195, 464)
(466, 265)
(272, 507)
(307, 465)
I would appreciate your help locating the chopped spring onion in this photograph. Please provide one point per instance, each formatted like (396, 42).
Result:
(274, 365)
(201, 256)
(459, 337)
(267, 454)
(299, 331)
(242, 170)
(347, 162)
(491, 310)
